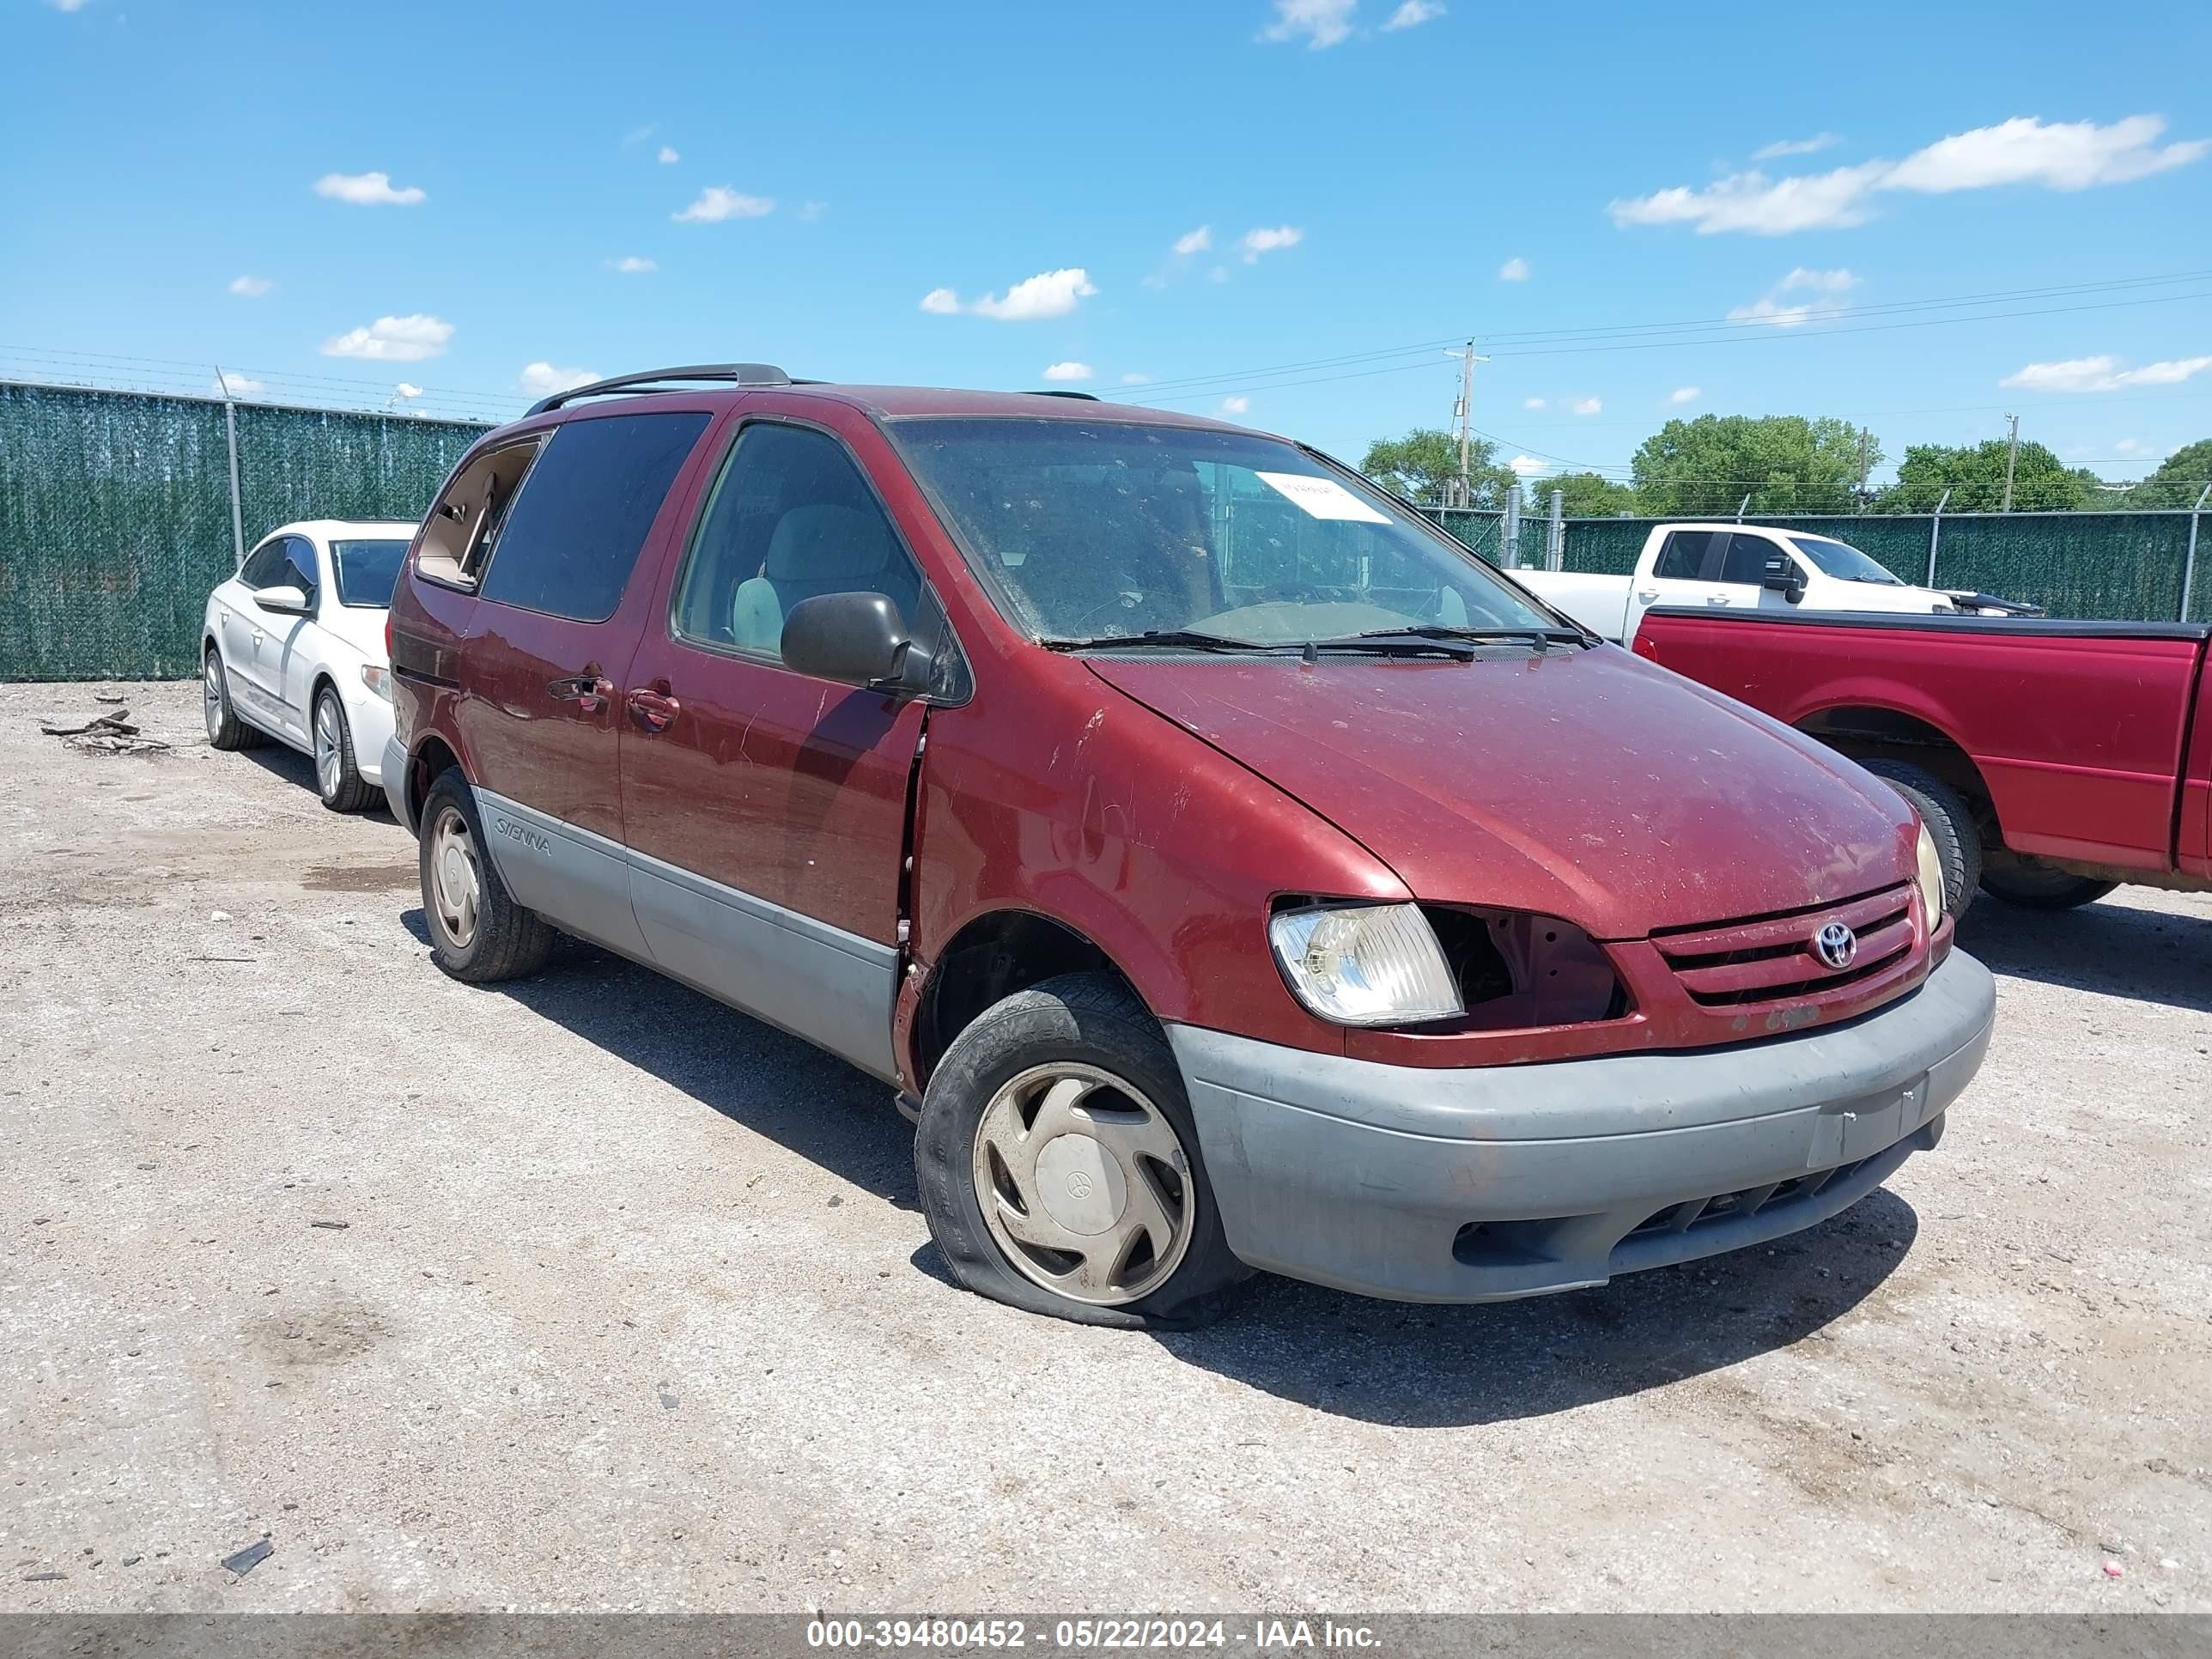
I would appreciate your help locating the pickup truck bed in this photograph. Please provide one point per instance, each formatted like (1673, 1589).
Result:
(2080, 749)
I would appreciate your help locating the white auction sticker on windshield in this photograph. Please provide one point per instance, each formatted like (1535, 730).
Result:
(1321, 498)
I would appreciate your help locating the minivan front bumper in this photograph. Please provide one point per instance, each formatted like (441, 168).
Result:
(1480, 1184)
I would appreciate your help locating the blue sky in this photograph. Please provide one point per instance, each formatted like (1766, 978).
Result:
(971, 194)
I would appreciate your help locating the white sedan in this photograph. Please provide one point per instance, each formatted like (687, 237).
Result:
(292, 648)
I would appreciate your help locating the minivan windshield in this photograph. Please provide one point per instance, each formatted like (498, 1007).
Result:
(1843, 560)
(367, 571)
(1087, 531)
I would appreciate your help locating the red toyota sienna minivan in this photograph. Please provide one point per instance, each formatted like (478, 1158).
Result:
(1226, 868)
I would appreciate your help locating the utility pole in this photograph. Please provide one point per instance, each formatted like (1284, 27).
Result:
(2012, 455)
(1866, 459)
(1463, 413)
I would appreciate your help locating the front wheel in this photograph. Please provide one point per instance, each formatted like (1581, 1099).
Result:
(338, 778)
(1059, 1166)
(2040, 887)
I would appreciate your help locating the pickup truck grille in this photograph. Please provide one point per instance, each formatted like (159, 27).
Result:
(1772, 959)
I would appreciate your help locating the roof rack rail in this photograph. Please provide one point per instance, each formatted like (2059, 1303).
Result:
(1050, 391)
(735, 374)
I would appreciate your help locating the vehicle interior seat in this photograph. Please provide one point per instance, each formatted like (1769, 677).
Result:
(813, 551)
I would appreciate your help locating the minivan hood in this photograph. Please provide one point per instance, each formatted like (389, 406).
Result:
(1587, 784)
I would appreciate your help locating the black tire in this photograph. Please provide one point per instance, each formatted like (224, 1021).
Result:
(2040, 887)
(348, 791)
(1091, 1020)
(1950, 821)
(225, 729)
(504, 941)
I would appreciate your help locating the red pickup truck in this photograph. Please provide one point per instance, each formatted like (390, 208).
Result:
(2051, 761)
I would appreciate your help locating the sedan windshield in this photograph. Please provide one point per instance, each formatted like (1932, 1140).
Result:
(367, 571)
(1843, 560)
(1103, 530)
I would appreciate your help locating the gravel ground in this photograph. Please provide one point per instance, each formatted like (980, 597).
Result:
(589, 1293)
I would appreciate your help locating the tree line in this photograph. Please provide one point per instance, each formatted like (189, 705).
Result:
(1784, 463)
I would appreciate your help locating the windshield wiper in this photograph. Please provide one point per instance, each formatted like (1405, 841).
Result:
(1164, 638)
(1388, 642)
(1538, 638)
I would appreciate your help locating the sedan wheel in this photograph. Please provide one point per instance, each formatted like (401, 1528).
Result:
(457, 878)
(330, 759)
(1084, 1183)
(211, 708)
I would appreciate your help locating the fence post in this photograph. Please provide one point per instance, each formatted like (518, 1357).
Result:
(230, 438)
(2189, 559)
(1509, 531)
(1555, 541)
(1744, 506)
(1934, 535)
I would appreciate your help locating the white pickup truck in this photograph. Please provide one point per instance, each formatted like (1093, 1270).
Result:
(1749, 567)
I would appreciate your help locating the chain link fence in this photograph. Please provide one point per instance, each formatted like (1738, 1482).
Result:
(117, 513)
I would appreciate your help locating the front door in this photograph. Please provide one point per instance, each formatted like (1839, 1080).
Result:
(540, 710)
(1685, 573)
(766, 811)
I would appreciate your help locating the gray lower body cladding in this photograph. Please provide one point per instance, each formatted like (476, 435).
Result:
(1482, 1184)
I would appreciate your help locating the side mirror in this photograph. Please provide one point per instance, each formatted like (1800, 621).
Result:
(284, 601)
(1783, 577)
(854, 639)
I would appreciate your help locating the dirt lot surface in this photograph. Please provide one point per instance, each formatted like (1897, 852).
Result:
(590, 1293)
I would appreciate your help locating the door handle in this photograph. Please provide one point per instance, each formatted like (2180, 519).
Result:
(1647, 594)
(653, 709)
(1718, 598)
(589, 690)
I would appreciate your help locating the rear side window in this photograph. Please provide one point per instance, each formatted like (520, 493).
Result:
(1683, 558)
(567, 545)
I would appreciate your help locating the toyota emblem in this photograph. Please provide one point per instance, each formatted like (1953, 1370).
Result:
(1837, 946)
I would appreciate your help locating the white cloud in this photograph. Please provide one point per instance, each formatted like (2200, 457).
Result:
(940, 301)
(406, 391)
(2103, 374)
(1047, 294)
(1589, 405)
(1321, 22)
(407, 339)
(1528, 467)
(668, 157)
(1194, 241)
(1413, 14)
(1685, 394)
(368, 190)
(810, 212)
(1820, 281)
(1769, 310)
(1780, 147)
(1513, 270)
(1771, 313)
(250, 288)
(639, 135)
(1134, 379)
(542, 378)
(1236, 405)
(1257, 242)
(227, 385)
(66, 5)
(632, 264)
(1067, 371)
(1218, 274)
(1532, 403)
(2129, 447)
(2024, 150)
(719, 202)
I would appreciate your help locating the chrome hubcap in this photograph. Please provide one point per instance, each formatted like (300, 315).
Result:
(211, 693)
(1084, 1183)
(327, 744)
(456, 883)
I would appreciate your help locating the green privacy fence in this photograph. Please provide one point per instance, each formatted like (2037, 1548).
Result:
(116, 513)
(2125, 565)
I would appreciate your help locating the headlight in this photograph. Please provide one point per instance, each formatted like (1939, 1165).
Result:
(377, 678)
(1365, 964)
(1931, 879)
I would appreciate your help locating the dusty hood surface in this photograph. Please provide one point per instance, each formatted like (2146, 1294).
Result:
(1586, 784)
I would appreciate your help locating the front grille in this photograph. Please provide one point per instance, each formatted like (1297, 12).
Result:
(1772, 959)
(1706, 1212)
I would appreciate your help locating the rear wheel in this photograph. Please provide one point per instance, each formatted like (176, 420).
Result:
(1059, 1165)
(2040, 887)
(1950, 822)
(338, 778)
(478, 931)
(224, 728)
